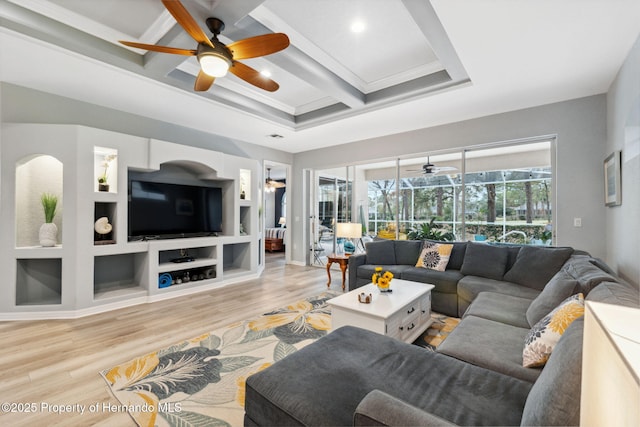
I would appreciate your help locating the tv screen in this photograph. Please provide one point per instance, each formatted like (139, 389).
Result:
(162, 210)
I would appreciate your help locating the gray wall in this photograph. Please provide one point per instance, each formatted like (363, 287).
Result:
(22, 105)
(623, 133)
(580, 127)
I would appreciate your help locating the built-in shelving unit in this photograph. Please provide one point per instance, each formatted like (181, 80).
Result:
(94, 272)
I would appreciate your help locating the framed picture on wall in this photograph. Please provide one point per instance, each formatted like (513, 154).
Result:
(612, 178)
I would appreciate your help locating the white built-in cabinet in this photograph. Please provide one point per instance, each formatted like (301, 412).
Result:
(88, 272)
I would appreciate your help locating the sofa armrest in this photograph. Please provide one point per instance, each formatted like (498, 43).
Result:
(355, 261)
(381, 409)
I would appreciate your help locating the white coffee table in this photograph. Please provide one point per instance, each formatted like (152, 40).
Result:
(402, 314)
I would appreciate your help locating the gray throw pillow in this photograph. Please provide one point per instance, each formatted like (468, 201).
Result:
(485, 261)
(560, 287)
(534, 267)
(381, 252)
(407, 251)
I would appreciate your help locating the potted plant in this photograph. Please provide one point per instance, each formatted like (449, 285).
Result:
(103, 185)
(48, 233)
(430, 230)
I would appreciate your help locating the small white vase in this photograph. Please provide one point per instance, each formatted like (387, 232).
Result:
(48, 234)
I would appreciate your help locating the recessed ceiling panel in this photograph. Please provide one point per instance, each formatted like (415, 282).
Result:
(131, 17)
(389, 49)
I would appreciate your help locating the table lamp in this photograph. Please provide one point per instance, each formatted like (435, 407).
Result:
(349, 230)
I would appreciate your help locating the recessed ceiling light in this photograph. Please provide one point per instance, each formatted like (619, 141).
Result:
(358, 26)
(266, 73)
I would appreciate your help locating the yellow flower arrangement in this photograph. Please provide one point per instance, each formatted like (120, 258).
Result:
(382, 279)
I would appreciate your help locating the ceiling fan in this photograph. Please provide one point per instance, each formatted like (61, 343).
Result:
(270, 185)
(431, 169)
(215, 57)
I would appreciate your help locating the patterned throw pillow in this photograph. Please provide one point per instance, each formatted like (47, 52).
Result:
(434, 256)
(543, 337)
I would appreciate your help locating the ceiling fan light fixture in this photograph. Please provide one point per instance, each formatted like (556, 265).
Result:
(214, 64)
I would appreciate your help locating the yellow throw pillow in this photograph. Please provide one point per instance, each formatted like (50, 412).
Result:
(434, 256)
(545, 334)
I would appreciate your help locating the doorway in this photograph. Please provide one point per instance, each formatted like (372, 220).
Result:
(275, 212)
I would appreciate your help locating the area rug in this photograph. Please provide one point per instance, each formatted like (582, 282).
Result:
(440, 328)
(201, 381)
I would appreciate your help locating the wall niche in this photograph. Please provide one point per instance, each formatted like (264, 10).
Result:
(35, 176)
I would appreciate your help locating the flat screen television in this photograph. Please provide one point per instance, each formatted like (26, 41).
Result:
(162, 211)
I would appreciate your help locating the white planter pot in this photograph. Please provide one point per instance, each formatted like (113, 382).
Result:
(48, 234)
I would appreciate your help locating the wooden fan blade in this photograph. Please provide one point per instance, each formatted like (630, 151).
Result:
(163, 49)
(252, 76)
(259, 46)
(203, 82)
(186, 21)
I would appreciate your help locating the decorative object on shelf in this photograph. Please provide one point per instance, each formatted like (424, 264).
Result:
(243, 232)
(165, 280)
(382, 279)
(48, 234)
(612, 180)
(102, 226)
(102, 229)
(243, 194)
(102, 179)
(364, 298)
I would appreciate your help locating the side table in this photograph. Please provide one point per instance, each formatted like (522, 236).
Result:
(343, 260)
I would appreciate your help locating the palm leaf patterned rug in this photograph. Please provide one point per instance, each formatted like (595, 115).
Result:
(201, 381)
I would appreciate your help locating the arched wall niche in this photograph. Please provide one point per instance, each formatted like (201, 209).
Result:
(35, 175)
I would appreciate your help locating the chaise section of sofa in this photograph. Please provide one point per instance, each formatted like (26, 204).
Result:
(323, 384)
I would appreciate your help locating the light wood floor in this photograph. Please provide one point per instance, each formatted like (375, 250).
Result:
(56, 362)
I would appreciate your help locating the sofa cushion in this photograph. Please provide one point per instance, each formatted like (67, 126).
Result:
(491, 345)
(407, 251)
(554, 399)
(623, 294)
(535, 266)
(470, 286)
(457, 254)
(444, 281)
(543, 337)
(501, 308)
(434, 256)
(323, 383)
(560, 287)
(485, 261)
(586, 273)
(381, 252)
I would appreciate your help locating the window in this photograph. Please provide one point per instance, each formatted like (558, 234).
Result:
(501, 194)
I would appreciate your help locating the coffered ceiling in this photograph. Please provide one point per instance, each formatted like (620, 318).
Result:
(412, 63)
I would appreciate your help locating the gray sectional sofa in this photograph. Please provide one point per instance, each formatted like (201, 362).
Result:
(475, 377)
(473, 268)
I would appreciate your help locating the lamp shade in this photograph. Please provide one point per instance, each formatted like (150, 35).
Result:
(282, 220)
(350, 230)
